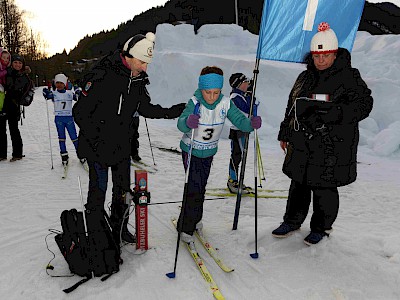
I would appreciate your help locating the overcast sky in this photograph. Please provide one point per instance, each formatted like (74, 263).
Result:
(62, 24)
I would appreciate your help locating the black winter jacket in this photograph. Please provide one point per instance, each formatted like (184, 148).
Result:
(18, 84)
(323, 136)
(104, 113)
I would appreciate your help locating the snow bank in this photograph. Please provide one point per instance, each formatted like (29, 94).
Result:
(180, 55)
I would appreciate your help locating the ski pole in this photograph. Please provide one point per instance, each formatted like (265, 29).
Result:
(255, 254)
(260, 166)
(148, 134)
(244, 154)
(185, 191)
(83, 213)
(260, 161)
(48, 125)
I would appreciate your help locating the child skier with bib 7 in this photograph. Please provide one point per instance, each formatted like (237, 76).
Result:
(203, 119)
(62, 99)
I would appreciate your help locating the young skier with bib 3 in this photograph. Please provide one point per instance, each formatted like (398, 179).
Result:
(205, 114)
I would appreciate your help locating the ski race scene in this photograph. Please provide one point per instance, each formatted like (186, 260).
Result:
(238, 158)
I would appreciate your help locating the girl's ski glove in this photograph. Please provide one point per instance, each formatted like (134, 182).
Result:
(193, 121)
(256, 122)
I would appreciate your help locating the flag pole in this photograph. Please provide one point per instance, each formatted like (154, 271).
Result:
(245, 149)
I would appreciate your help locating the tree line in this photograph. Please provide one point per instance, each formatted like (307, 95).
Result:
(16, 36)
(377, 18)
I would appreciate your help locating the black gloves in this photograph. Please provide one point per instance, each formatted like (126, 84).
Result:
(333, 115)
(320, 111)
(175, 111)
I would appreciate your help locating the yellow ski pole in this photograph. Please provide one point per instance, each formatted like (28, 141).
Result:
(260, 163)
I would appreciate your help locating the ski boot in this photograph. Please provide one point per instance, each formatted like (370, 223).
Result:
(188, 239)
(64, 158)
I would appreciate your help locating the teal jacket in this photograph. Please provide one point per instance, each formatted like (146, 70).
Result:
(234, 115)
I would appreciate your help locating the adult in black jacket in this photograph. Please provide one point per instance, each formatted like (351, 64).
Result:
(112, 92)
(17, 86)
(320, 136)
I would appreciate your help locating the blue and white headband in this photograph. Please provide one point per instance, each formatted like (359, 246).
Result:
(211, 81)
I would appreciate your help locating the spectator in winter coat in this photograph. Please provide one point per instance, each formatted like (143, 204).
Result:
(5, 61)
(112, 92)
(320, 136)
(17, 87)
(202, 128)
(242, 99)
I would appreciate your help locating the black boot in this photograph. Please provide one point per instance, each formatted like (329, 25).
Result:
(126, 235)
(118, 210)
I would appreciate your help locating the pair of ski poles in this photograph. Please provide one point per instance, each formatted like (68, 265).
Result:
(260, 166)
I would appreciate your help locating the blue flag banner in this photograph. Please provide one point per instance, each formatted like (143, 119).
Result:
(287, 26)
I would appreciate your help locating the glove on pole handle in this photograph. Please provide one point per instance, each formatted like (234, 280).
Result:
(179, 225)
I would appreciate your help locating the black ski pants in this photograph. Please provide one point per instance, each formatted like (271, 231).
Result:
(192, 207)
(98, 181)
(14, 133)
(237, 138)
(325, 206)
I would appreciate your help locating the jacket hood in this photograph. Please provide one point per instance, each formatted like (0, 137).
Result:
(343, 60)
(9, 56)
(114, 61)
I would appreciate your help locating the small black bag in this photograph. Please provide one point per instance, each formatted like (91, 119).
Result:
(27, 97)
(91, 251)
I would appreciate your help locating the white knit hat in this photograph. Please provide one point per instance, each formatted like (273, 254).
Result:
(61, 78)
(324, 41)
(140, 47)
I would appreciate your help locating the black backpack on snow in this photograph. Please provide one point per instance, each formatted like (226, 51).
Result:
(91, 251)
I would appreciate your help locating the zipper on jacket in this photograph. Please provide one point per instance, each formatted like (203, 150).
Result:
(129, 85)
(120, 104)
(121, 98)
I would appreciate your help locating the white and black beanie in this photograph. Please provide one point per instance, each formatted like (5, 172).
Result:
(237, 79)
(140, 46)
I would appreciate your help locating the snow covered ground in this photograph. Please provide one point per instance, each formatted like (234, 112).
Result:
(360, 259)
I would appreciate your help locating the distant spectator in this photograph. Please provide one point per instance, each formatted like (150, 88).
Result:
(17, 86)
(5, 62)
